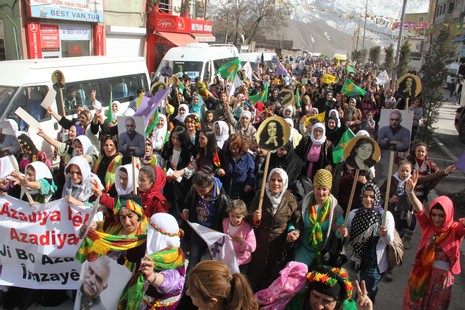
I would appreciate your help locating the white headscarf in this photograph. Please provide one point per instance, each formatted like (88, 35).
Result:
(83, 191)
(276, 199)
(14, 126)
(157, 241)
(337, 116)
(323, 138)
(159, 134)
(87, 147)
(288, 108)
(224, 134)
(362, 133)
(6, 167)
(129, 112)
(129, 188)
(247, 114)
(42, 172)
(180, 117)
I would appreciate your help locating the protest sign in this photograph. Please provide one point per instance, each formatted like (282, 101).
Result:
(39, 243)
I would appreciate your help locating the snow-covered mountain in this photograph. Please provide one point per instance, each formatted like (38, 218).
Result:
(325, 26)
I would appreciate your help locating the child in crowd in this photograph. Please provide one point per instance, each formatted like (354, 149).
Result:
(417, 110)
(399, 205)
(241, 233)
(369, 124)
(208, 122)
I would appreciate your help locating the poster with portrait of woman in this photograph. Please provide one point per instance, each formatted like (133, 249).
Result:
(362, 153)
(273, 133)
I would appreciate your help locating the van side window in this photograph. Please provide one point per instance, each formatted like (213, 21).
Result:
(76, 94)
(29, 98)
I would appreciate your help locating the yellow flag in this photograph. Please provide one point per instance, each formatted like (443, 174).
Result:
(328, 78)
(320, 117)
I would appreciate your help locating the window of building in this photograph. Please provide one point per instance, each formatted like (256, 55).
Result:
(451, 7)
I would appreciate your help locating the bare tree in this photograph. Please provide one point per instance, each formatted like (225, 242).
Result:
(248, 18)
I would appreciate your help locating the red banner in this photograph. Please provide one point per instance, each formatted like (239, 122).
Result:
(172, 23)
(99, 40)
(34, 47)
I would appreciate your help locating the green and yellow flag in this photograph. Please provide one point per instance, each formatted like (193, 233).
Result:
(229, 69)
(297, 98)
(260, 97)
(350, 69)
(328, 78)
(350, 89)
(320, 117)
(338, 152)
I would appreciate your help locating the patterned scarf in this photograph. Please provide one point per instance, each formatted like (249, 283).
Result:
(421, 273)
(133, 294)
(110, 175)
(315, 233)
(364, 227)
(97, 244)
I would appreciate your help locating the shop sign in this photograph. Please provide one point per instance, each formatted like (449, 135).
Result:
(80, 10)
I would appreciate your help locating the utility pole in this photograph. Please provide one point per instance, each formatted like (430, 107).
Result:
(399, 44)
(365, 25)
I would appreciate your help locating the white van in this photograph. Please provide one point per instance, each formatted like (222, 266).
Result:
(198, 60)
(256, 58)
(24, 83)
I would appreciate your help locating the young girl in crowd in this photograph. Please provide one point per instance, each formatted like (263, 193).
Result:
(417, 110)
(369, 124)
(241, 233)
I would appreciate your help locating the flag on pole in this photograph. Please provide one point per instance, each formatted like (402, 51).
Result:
(229, 69)
(320, 117)
(383, 78)
(350, 89)
(350, 69)
(328, 78)
(280, 70)
(261, 96)
(220, 246)
(297, 98)
(144, 106)
(153, 123)
(110, 116)
(154, 104)
(338, 152)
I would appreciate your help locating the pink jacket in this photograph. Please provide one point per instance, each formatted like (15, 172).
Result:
(244, 251)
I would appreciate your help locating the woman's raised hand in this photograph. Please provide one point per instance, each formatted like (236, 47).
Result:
(96, 188)
(411, 182)
(363, 301)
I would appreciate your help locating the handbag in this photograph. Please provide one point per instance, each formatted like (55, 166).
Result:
(395, 251)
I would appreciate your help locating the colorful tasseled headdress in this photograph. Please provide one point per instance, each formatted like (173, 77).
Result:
(331, 281)
(131, 204)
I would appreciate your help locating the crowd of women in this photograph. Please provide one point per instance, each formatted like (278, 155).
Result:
(202, 164)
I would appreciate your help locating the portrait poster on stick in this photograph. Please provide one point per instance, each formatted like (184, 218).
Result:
(362, 153)
(395, 127)
(131, 135)
(273, 133)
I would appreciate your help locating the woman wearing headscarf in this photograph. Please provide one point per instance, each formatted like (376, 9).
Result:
(37, 181)
(82, 146)
(183, 111)
(106, 165)
(286, 158)
(353, 116)
(149, 157)
(160, 280)
(295, 136)
(369, 238)
(79, 182)
(278, 224)
(321, 217)
(192, 125)
(316, 150)
(152, 180)
(30, 153)
(438, 255)
(197, 107)
(221, 133)
(244, 126)
(159, 133)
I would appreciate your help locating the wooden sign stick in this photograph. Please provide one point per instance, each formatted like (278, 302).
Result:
(62, 101)
(134, 184)
(351, 198)
(265, 175)
(15, 166)
(388, 187)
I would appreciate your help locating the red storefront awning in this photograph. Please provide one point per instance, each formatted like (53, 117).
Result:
(178, 39)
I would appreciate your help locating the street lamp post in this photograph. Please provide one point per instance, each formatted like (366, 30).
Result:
(399, 44)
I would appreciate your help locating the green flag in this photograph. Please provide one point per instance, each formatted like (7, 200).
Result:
(262, 96)
(350, 69)
(338, 152)
(297, 98)
(350, 89)
(229, 69)
(181, 87)
(110, 116)
(152, 123)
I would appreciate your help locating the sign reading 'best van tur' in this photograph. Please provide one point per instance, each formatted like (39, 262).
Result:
(81, 10)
